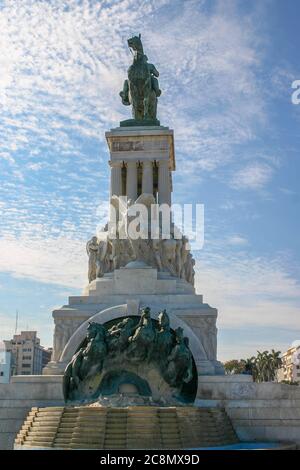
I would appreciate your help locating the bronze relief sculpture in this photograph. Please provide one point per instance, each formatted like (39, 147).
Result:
(132, 347)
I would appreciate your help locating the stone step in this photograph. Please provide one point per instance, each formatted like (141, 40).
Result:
(125, 428)
(37, 432)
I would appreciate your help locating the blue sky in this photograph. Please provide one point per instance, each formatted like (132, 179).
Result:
(226, 69)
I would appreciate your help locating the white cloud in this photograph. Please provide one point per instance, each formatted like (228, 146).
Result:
(281, 79)
(35, 166)
(61, 72)
(249, 291)
(56, 260)
(237, 240)
(287, 191)
(253, 176)
(246, 290)
(64, 67)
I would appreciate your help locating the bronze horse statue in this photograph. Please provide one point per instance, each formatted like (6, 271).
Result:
(87, 361)
(142, 341)
(141, 89)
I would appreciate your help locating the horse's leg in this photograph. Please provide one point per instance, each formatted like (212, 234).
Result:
(139, 105)
(152, 105)
(137, 112)
(146, 100)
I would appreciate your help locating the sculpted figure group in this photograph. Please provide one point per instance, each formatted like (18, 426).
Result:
(107, 253)
(169, 255)
(136, 343)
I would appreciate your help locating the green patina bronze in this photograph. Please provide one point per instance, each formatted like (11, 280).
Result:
(87, 361)
(141, 89)
(132, 350)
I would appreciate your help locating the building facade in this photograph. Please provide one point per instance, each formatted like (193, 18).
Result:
(290, 369)
(5, 366)
(28, 357)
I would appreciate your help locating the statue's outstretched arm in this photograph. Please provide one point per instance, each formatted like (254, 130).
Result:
(155, 71)
(124, 93)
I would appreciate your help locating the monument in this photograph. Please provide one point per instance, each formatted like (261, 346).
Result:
(138, 338)
(125, 272)
(134, 360)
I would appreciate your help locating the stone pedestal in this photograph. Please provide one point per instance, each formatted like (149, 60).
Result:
(145, 157)
(164, 183)
(148, 148)
(116, 178)
(262, 412)
(131, 180)
(147, 180)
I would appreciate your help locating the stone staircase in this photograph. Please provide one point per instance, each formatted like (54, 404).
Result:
(136, 427)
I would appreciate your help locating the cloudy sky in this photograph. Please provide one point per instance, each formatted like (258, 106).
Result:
(226, 71)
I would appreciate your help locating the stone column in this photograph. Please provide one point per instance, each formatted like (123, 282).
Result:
(164, 186)
(131, 181)
(115, 190)
(116, 178)
(147, 180)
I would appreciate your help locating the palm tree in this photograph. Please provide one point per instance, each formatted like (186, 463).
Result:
(249, 365)
(261, 364)
(266, 365)
(276, 362)
(263, 367)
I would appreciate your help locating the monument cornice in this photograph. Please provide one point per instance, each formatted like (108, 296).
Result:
(142, 143)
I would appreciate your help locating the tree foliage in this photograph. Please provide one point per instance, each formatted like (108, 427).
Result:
(262, 367)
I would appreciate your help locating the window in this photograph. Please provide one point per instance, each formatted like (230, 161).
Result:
(27, 357)
(1, 374)
(26, 365)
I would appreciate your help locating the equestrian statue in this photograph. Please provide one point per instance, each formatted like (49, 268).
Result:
(141, 89)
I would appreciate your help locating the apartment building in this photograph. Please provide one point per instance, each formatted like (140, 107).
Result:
(28, 357)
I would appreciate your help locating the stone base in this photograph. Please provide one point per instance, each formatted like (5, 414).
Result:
(262, 412)
(53, 368)
(133, 427)
(259, 412)
(19, 396)
(139, 122)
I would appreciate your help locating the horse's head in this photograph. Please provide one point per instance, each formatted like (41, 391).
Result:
(179, 334)
(146, 313)
(163, 319)
(135, 43)
(95, 329)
